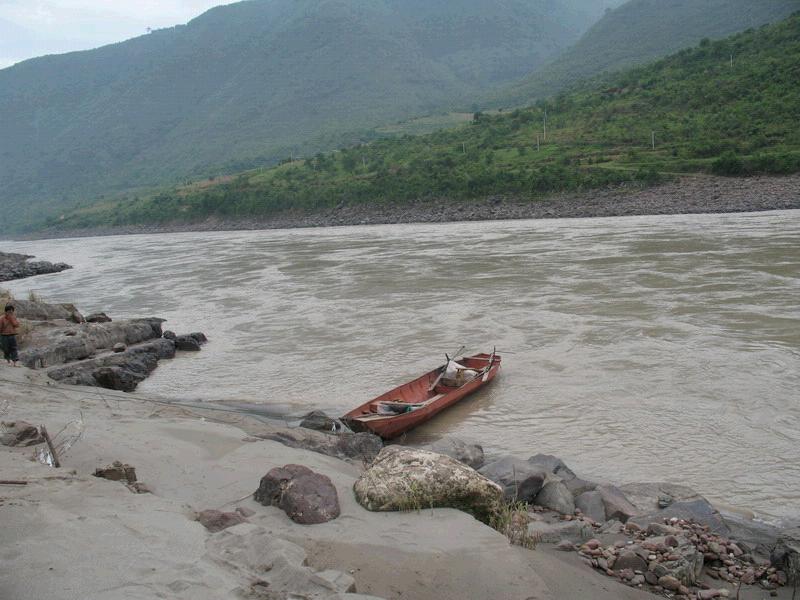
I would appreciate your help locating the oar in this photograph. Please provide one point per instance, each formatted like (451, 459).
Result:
(439, 378)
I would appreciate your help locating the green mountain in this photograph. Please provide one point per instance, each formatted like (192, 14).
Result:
(695, 111)
(249, 83)
(638, 32)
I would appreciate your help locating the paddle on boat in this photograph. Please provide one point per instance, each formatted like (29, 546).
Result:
(411, 404)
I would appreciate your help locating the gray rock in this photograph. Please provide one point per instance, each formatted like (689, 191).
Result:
(553, 464)
(199, 337)
(687, 568)
(215, 520)
(646, 496)
(119, 347)
(752, 536)
(519, 479)
(591, 504)
(469, 453)
(17, 266)
(411, 479)
(553, 533)
(117, 378)
(628, 559)
(319, 421)
(187, 342)
(616, 504)
(700, 511)
(99, 317)
(170, 335)
(19, 433)
(786, 555)
(362, 446)
(310, 499)
(578, 486)
(555, 496)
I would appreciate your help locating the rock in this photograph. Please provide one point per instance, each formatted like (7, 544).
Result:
(554, 533)
(752, 536)
(16, 266)
(700, 511)
(215, 520)
(319, 421)
(119, 347)
(409, 479)
(708, 594)
(19, 433)
(647, 496)
(578, 486)
(555, 496)
(274, 483)
(99, 317)
(355, 446)
(616, 504)
(117, 378)
(467, 452)
(137, 487)
(659, 529)
(117, 471)
(668, 582)
(553, 464)
(786, 555)
(664, 500)
(187, 342)
(637, 580)
(306, 497)
(591, 504)
(519, 479)
(628, 559)
(245, 512)
(685, 563)
(170, 335)
(310, 499)
(565, 546)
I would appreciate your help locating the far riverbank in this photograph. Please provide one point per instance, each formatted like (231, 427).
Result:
(696, 194)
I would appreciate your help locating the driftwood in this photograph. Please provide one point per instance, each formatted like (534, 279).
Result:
(12, 482)
(50, 446)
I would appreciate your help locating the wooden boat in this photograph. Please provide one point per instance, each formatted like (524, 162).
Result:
(413, 403)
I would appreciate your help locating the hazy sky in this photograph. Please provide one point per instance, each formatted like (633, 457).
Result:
(31, 28)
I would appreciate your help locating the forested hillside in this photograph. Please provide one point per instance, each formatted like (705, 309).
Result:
(695, 111)
(640, 31)
(249, 83)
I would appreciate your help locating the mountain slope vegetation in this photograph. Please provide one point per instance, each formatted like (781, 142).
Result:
(249, 83)
(640, 31)
(694, 111)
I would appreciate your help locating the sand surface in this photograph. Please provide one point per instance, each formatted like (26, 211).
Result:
(68, 535)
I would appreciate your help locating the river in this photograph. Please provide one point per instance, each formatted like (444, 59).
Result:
(637, 349)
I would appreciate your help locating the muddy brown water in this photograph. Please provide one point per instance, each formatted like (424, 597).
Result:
(638, 349)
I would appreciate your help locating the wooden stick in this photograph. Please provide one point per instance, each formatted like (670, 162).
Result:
(47, 439)
(12, 482)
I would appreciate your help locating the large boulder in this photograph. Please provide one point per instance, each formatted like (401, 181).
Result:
(555, 496)
(553, 464)
(411, 479)
(117, 378)
(467, 452)
(616, 504)
(306, 497)
(786, 554)
(99, 317)
(649, 497)
(519, 479)
(591, 504)
(552, 533)
(187, 342)
(319, 421)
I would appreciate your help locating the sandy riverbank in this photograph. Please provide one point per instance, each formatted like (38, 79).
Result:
(687, 195)
(67, 534)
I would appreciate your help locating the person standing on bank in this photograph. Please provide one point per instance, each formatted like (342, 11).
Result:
(9, 328)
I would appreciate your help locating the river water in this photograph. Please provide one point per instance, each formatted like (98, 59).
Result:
(637, 349)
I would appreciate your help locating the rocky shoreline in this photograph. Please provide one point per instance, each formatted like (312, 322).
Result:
(94, 350)
(18, 266)
(695, 194)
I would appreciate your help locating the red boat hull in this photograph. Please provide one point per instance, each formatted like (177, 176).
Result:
(424, 402)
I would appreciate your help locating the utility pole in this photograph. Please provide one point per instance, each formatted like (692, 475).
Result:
(545, 124)
(653, 139)
(364, 162)
(464, 147)
(537, 142)
(731, 60)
